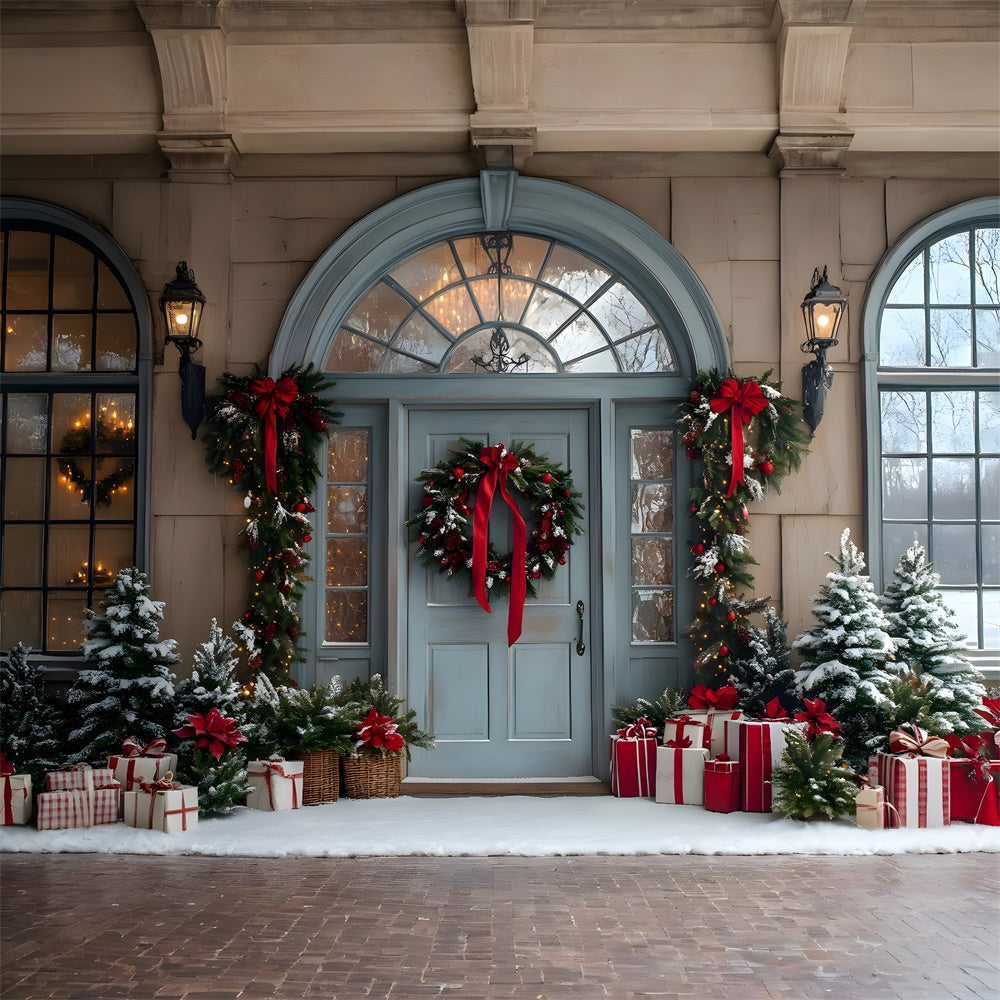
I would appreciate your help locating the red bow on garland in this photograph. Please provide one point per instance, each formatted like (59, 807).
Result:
(273, 403)
(744, 402)
(704, 697)
(499, 463)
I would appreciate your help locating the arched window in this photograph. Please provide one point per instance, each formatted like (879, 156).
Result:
(75, 365)
(933, 316)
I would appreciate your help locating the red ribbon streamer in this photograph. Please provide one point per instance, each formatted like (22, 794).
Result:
(273, 403)
(744, 402)
(499, 464)
(8, 804)
(272, 769)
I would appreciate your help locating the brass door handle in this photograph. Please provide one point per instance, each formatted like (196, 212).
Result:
(581, 646)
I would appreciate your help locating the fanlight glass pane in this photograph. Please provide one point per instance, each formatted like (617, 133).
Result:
(576, 275)
(428, 272)
(548, 310)
(351, 353)
(379, 313)
(902, 338)
(453, 309)
(988, 338)
(419, 338)
(949, 271)
(72, 276)
(27, 271)
(909, 287)
(25, 343)
(987, 271)
(582, 336)
(647, 352)
(519, 345)
(951, 338)
(620, 312)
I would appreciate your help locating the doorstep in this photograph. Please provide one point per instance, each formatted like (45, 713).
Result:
(455, 787)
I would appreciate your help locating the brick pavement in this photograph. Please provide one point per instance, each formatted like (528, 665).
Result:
(81, 927)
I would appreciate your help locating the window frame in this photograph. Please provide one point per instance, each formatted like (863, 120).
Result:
(981, 212)
(38, 216)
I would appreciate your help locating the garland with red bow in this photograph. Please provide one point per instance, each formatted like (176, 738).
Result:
(747, 437)
(481, 476)
(264, 435)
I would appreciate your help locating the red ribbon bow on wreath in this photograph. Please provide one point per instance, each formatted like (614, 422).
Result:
(744, 402)
(274, 399)
(499, 463)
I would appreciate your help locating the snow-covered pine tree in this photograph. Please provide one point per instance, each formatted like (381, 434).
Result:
(32, 723)
(928, 640)
(765, 671)
(848, 655)
(212, 682)
(213, 763)
(126, 687)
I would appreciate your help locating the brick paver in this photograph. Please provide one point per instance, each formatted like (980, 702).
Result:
(80, 927)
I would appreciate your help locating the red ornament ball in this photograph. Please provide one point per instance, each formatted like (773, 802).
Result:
(546, 478)
(458, 472)
(731, 617)
(428, 501)
(694, 397)
(723, 651)
(720, 567)
(566, 494)
(562, 560)
(307, 538)
(536, 575)
(767, 467)
(259, 575)
(698, 548)
(694, 508)
(712, 601)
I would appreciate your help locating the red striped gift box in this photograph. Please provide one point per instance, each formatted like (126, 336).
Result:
(918, 787)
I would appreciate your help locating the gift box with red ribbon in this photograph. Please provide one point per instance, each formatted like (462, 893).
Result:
(15, 793)
(989, 712)
(714, 707)
(680, 773)
(162, 805)
(138, 762)
(975, 792)
(758, 745)
(65, 810)
(919, 787)
(872, 811)
(275, 785)
(687, 727)
(97, 783)
(633, 761)
(80, 776)
(722, 785)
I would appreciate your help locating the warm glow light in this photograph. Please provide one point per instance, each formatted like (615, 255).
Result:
(822, 320)
(181, 319)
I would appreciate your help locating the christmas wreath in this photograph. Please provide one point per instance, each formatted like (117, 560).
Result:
(265, 435)
(111, 440)
(446, 543)
(748, 437)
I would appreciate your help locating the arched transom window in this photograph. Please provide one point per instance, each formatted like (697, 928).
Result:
(500, 302)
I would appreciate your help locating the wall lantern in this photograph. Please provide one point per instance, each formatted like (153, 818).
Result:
(182, 303)
(822, 309)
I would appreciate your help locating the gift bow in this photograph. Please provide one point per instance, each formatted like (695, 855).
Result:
(990, 711)
(775, 710)
(917, 743)
(498, 464)
(679, 744)
(164, 784)
(638, 730)
(154, 748)
(723, 758)
(6, 766)
(274, 400)
(704, 697)
(818, 718)
(744, 402)
(970, 751)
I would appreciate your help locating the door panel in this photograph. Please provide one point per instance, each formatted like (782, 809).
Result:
(498, 712)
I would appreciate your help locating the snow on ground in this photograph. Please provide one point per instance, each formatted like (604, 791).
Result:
(520, 825)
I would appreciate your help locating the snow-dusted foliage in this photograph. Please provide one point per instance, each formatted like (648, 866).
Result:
(213, 680)
(929, 642)
(848, 656)
(126, 687)
(764, 671)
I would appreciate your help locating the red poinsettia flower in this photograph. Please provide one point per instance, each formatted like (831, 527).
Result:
(212, 732)
(819, 719)
(378, 732)
(990, 711)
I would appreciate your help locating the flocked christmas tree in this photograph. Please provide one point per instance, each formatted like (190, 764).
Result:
(214, 763)
(31, 721)
(928, 640)
(848, 655)
(764, 670)
(813, 783)
(126, 687)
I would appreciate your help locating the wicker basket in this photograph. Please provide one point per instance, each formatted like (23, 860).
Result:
(371, 777)
(320, 776)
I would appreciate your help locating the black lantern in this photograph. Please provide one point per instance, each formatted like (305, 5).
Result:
(182, 303)
(822, 309)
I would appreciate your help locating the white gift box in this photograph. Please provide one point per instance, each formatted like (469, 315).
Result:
(275, 785)
(716, 720)
(129, 771)
(919, 788)
(169, 810)
(680, 775)
(15, 794)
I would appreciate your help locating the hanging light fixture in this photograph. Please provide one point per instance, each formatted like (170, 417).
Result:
(823, 309)
(182, 303)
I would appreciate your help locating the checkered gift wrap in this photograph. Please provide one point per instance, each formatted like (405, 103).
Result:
(65, 810)
(680, 775)
(169, 810)
(129, 771)
(107, 803)
(918, 787)
(15, 794)
(81, 776)
(275, 785)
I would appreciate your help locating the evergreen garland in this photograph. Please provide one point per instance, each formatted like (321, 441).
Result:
(812, 783)
(277, 526)
(774, 441)
(669, 705)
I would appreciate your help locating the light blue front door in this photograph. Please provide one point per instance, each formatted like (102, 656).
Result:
(497, 712)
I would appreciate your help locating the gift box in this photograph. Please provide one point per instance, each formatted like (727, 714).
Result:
(758, 745)
(918, 787)
(141, 763)
(680, 775)
(633, 761)
(975, 798)
(65, 810)
(872, 811)
(722, 785)
(687, 727)
(275, 784)
(163, 805)
(715, 721)
(81, 776)
(15, 790)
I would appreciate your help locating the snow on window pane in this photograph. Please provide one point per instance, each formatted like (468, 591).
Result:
(116, 343)
(904, 487)
(582, 336)
(27, 423)
(428, 272)
(904, 422)
(953, 422)
(71, 337)
(902, 338)
(403, 364)
(909, 287)
(948, 270)
(548, 310)
(351, 353)
(954, 488)
(988, 338)
(26, 343)
(987, 250)
(951, 338)
(954, 548)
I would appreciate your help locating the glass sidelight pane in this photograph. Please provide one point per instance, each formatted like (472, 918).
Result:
(652, 507)
(652, 454)
(652, 560)
(652, 615)
(346, 562)
(346, 616)
(347, 460)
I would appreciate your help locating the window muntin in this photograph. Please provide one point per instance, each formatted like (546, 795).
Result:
(939, 328)
(558, 310)
(69, 452)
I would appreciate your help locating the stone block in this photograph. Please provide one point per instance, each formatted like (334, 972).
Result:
(756, 323)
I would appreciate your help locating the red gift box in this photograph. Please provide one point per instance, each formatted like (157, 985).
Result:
(975, 799)
(633, 767)
(919, 788)
(759, 744)
(722, 786)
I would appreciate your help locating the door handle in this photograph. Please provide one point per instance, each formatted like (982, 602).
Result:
(581, 646)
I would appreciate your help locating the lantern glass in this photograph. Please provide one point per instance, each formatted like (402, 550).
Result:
(183, 318)
(182, 303)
